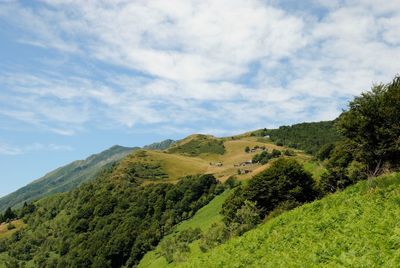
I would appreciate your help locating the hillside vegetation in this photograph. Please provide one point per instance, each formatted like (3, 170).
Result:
(109, 222)
(64, 178)
(162, 145)
(358, 227)
(309, 137)
(198, 144)
(203, 219)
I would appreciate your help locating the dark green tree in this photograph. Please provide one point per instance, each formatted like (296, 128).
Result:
(9, 214)
(372, 125)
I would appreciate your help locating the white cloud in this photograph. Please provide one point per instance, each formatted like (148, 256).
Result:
(7, 149)
(217, 64)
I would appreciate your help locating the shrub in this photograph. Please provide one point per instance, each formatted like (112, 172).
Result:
(10, 226)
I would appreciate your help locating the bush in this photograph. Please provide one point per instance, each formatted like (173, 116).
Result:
(231, 182)
(246, 218)
(334, 180)
(216, 235)
(11, 226)
(289, 152)
(325, 151)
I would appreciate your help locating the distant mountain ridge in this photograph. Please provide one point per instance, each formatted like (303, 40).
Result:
(65, 178)
(162, 145)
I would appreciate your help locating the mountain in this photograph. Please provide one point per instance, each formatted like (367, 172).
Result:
(65, 178)
(162, 145)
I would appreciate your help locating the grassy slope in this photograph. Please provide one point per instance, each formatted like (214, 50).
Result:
(203, 219)
(358, 227)
(176, 165)
(5, 233)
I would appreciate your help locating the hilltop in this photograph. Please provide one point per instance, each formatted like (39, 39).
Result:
(196, 154)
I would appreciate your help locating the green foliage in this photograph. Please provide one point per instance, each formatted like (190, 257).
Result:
(110, 222)
(357, 227)
(309, 137)
(231, 182)
(246, 218)
(8, 215)
(289, 152)
(65, 178)
(325, 151)
(199, 145)
(247, 149)
(10, 226)
(144, 170)
(262, 157)
(285, 180)
(342, 169)
(372, 126)
(173, 248)
(216, 235)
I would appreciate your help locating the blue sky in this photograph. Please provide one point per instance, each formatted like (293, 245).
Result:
(78, 77)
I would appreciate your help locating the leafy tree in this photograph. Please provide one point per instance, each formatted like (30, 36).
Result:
(247, 149)
(372, 125)
(216, 235)
(246, 218)
(284, 180)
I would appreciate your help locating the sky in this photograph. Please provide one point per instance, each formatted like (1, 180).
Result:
(77, 77)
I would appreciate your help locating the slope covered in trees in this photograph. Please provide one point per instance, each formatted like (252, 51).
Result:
(109, 222)
(65, 178)
(309, 137)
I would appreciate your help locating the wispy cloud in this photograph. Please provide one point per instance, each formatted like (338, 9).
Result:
(8, 149)
(218, 65)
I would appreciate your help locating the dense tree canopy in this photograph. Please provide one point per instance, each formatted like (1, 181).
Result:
(372, 125)
(285, 181)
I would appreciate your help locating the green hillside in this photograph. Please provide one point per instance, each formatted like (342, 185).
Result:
(195, 145)
(309, 137)
(65, 178)
(203, 219)
(358, 227)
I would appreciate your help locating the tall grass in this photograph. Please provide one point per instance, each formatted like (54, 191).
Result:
(358, 227)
